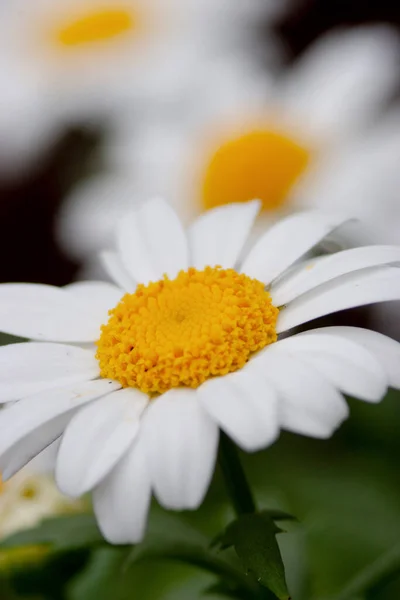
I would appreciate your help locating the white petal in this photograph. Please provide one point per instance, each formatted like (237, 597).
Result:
(377, 284)
(44, 312)
(152, 242)
(31, 367)
(309, 404)
(368, 168)
(245, 406)
(88, 215)
(38, 420)
(98, 297)
(116, 270)
(181, 444)
(286, 242)
(121, 501)
(342, 80)
(96, 438)
(217, 237)
(28, 449)
(383, 348)
(45, 461)
(314, 273)
(346, 364)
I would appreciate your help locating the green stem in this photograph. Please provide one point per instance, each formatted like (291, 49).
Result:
(235, 479)
(381, 569)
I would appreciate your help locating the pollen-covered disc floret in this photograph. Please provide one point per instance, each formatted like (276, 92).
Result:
(180, 332)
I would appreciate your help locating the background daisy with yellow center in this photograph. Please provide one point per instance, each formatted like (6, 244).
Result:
(80, 61)
(313, 136)
(136, 378)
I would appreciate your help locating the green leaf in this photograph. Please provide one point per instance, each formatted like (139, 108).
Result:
(61, 533)
(277, 515)
(107, 577)
(99, 581)
(253, 537)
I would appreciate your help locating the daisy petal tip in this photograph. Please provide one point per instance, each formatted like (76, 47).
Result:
(338, 422)
(119, 537)
(254, 447)
(65, 486)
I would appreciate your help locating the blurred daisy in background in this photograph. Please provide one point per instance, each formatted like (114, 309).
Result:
(32, 495)
(80, 60)
(137, 377)
(288, 141)
(151, 154)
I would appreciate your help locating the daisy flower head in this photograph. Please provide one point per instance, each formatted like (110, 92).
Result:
(250, 134)
(138, 377)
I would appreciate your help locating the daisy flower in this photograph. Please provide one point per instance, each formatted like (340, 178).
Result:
(82, 59)
(137, 377)
(247, 134)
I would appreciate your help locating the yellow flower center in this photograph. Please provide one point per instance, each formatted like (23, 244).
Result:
(260, 164)
(97, 26)
(180, 332)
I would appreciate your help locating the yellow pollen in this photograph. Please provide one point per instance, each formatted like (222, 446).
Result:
(260, 164)
(98, 26)
(180, 332)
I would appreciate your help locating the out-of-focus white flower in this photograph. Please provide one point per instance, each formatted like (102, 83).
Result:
(74, 59)
(190, 346)
(32, 495)
(303, 141)
(365, 177)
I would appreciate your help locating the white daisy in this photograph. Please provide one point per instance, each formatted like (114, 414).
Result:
(189, 347)
(245, 135)
(81, 59)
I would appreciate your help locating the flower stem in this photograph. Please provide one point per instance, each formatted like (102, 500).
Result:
(235, 478)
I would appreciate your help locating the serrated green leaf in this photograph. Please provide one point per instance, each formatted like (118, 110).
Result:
(254, 538)
(277, 515)
(61, 533)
